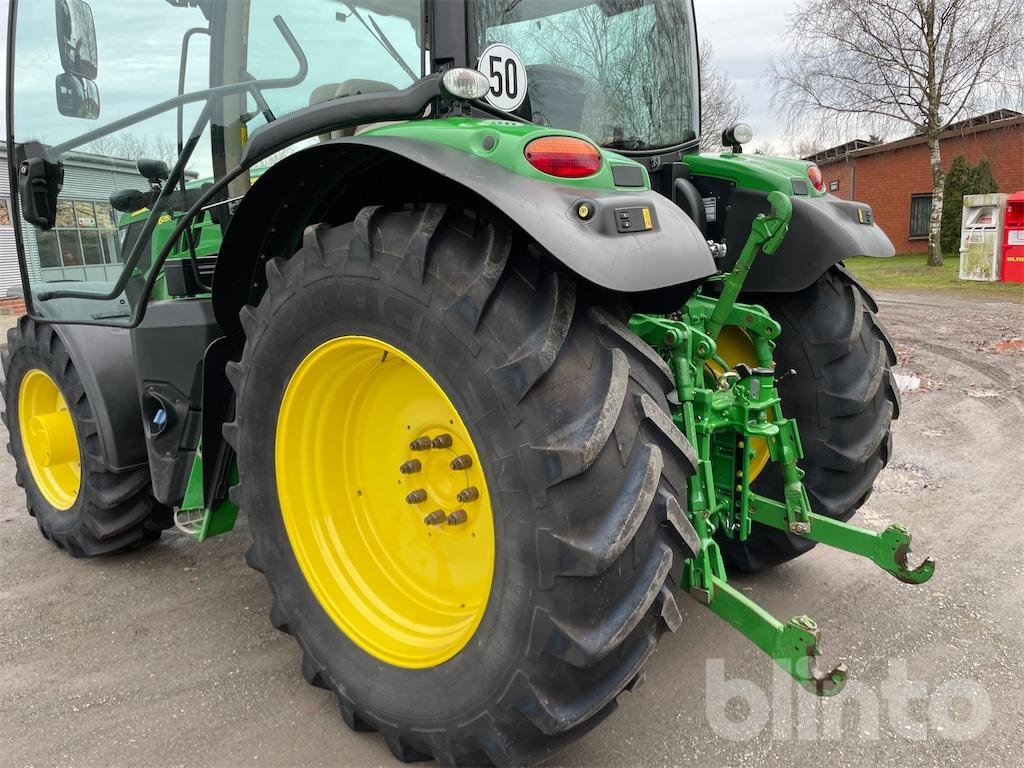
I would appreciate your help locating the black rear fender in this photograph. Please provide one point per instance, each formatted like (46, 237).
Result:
(332, 181)
(824, 231)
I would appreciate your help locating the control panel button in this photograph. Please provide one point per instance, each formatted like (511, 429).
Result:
(638, 219)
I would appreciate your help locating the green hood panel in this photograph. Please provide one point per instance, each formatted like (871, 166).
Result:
(765, 174)
(503, 142)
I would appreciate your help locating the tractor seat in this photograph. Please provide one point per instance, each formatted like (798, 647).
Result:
(330, 91)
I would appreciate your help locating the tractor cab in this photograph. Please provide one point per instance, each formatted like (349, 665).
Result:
(621, 72)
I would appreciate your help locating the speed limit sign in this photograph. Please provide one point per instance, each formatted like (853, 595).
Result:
(507, 75)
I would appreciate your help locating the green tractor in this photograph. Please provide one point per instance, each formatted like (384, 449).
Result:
(497, 364)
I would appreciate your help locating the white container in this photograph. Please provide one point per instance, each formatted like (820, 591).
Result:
(981, 237)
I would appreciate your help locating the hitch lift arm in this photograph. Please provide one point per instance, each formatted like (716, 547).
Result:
(720, 418)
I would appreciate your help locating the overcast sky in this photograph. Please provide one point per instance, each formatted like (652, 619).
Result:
(744, 33)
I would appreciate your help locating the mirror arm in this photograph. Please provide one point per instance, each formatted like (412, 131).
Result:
(186, 40)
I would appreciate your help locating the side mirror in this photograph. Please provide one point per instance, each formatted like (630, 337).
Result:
(153, 171)
(76, 38)
(129, 200)
(77, 96)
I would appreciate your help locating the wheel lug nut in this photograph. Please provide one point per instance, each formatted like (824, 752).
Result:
(411, 466)
(442, 441)
(420, 444)
(468, 494)
(416, 497)
(458, 517)
(435, 518)
(461, 462)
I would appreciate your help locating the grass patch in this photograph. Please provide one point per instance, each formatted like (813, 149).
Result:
(910, 272)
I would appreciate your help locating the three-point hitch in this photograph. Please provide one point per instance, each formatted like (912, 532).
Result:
(724, 412)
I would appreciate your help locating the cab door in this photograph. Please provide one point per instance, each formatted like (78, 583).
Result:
(81, 193)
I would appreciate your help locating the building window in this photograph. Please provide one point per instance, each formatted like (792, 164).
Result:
(920, 215)
(86, 234)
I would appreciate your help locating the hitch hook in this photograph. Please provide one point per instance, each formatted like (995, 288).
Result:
(797, 652)
(793, 646)
(894, 547)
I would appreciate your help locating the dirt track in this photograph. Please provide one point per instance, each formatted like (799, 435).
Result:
(166, 656)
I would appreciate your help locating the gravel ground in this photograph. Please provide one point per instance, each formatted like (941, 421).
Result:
(166, 656)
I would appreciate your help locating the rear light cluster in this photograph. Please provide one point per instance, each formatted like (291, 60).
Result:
(814, 176)
(563, 156)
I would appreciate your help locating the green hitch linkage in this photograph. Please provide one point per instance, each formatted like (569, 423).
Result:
(794, 646)
(766, 234)
(747, 408)
(887, 549)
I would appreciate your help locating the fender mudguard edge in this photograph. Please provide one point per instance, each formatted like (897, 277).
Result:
(824, 231)
(105, 364)
(672, 253)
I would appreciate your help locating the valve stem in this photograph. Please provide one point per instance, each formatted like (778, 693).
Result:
(461, 462)
(416, 497)
(458, 517)
(468, 494)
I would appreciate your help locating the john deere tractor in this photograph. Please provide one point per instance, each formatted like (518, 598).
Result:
(443, 297)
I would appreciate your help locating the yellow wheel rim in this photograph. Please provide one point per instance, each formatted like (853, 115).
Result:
(735, 347)
(49, 440)
(384, 501)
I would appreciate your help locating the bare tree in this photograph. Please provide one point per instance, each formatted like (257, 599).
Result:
(720, 103)
(131, 146)
(803, 146)
(858, 64)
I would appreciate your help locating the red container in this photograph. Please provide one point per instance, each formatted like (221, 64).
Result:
(1013, 240)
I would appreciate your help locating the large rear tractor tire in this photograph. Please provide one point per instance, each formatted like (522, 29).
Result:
(463, 484)
(80, 503)
(843, 397)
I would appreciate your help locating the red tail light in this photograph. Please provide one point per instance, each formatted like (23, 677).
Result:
(563, 156)
(814, 176)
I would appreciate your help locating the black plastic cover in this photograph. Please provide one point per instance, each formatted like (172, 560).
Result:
(39, 184)
(169, 346)
(104, 362)
(823, 232)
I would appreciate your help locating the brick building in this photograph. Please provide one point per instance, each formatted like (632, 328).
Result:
(895, 178)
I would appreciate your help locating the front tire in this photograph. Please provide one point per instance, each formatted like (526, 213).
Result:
(80, 502)
(567, 412)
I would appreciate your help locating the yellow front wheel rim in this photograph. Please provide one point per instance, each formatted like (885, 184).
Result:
(384, 501)
(735, 347)
(49, 440)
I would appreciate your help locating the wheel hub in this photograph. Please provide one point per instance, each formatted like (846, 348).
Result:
(49, 440)
(384, 501)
